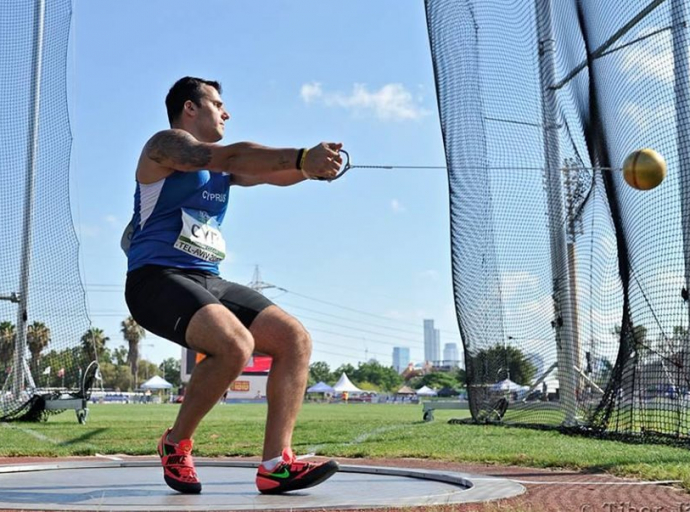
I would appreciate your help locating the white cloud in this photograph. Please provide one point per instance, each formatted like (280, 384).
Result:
(392, 102)
(648, 118)
(311, 92)
(396, 206)
(650, 58)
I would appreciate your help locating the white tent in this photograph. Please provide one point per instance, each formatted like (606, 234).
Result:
(156, 382)
(321, 387)
(506, 385)
(426, 391)
(344, 384)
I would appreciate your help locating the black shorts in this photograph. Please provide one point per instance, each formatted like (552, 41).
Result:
(164, 299)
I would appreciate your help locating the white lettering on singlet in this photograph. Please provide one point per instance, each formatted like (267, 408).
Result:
(209, 196)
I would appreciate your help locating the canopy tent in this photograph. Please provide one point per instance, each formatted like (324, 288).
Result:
(447, 391)
(321, 387)
(506, 385)
(426, 391)
(405, 390)
(156, 382)
(344, 384)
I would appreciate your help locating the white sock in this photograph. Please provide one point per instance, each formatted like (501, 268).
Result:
(271, 464)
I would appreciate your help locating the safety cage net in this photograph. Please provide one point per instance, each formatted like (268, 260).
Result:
(571, 286)
(45, 349)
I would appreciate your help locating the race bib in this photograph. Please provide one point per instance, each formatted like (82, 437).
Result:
(200, 236)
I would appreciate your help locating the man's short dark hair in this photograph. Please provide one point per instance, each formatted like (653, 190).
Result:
(187, 88)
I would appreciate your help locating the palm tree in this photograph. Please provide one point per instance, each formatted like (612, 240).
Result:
(93, 342)
(133, 333)
(37, 338)
(8, 336)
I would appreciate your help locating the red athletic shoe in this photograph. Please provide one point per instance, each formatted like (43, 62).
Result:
(291, 474)
(178, 465)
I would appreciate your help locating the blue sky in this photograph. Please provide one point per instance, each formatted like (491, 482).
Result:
(364, 259)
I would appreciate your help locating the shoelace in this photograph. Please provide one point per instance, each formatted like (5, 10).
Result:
(298, 460)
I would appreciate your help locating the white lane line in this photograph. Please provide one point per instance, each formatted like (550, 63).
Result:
(360, 438)
(39, 436)
(530, 482)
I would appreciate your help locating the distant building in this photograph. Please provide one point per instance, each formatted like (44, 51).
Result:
(401, 358)
(432, 342)
(451, 356)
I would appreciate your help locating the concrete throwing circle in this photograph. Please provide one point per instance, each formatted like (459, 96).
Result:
(229, 485)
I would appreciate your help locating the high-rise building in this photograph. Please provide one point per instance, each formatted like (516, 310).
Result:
(432, 342)
(401, 358)
(451, 356)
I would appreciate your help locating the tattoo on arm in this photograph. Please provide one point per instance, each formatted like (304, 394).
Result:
(283, 164)
(177, 147)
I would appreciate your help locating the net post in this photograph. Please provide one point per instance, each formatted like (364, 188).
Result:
(19, 368)
(563, 309)
(681, 82)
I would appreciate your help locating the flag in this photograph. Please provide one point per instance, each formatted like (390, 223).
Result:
(61, 372)
(46, 371)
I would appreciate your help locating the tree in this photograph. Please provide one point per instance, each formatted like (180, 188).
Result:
(116, 377)
(8, 336)
(435, 380)
(146, 370)
(171, 368)
(93, 342)
(320, 372)
(133, 333)
(639, 334)
(501, 362)
(119, 356)
(382, 377)
(37, 338)
(461, 377)
(346, 368)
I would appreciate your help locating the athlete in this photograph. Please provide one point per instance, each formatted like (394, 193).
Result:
(174, 246)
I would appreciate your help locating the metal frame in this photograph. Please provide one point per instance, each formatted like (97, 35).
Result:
(20, 374)
(564, 318)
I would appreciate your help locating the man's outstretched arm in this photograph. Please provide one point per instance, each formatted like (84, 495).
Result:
(178, 150)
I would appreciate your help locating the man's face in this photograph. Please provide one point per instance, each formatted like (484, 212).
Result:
(211, 115)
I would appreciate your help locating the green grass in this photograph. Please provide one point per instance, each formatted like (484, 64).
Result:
(353, 430)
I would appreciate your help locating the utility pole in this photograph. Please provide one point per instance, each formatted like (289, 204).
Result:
(259, 284)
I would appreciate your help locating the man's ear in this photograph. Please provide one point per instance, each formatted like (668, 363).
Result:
(190, 107)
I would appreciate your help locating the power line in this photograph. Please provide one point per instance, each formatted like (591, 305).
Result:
(400, 340)
(119, 288)
(347, 308)
(407, 331)
(318, 343)
(120, 315)
(107, 313)
(361, 338)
